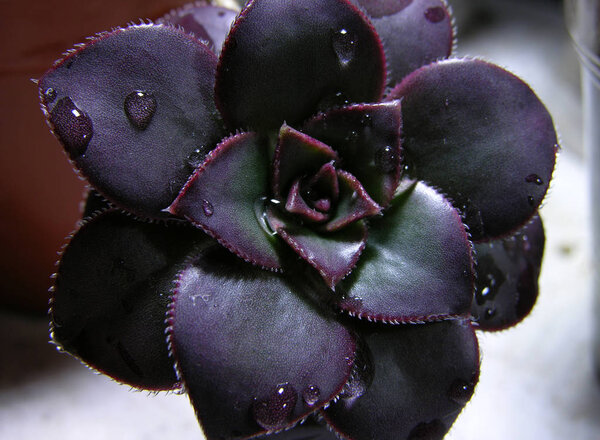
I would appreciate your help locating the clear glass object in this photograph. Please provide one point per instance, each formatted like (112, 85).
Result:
(583, 22)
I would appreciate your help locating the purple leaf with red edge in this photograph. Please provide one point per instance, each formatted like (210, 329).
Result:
(111, 296)
(123, 120)
(295, 204)
(281, 60)
(480, 135)
(417, 264)
(333, 254)
(354, 203)
(297, 155)
(414, 33)
(223, 195)
(507, 277)
(207, 22)
(249, 343)
(367, 138)
(423, 376)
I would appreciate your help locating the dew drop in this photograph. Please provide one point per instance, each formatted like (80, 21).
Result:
(139, 108)
(361, 376)
(72, 126)
(207, 208)
(525, 243)
(344, 47)
(195, 158)
(352, 136)
(274, 411)
(366, 120)
(489, 313)
(49, 95)
(433, 430)
(311, 395)
(435, 15)
(534, 178)
(461, 391)
(333, 100)
(385, 159)
(260, 211)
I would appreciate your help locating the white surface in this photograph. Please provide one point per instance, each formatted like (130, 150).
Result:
(536, 380)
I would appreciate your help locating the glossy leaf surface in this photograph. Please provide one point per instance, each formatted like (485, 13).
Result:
(480, 135)
(209, 23)
(417, 263)
(111, 297)
(123, 120)
(367, 137)
(507, 277)
(333, 254)
(282, 60)
(249, 343)
(225, 198)
(423, 375)
(414, 33)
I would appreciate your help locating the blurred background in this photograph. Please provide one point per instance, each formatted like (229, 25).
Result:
(537, 379)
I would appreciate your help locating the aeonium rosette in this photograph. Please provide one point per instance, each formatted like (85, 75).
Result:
(306, 164)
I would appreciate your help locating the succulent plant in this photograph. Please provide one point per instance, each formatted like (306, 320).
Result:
(278, 193)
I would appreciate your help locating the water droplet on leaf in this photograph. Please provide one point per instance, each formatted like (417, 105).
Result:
(195, 158)
(274, 411)
(139, 108)
(490, 313)
(435, 15)
(461, 391)
(337, 99)
(366, 120)
(49, 95)
(344, 47)
(260, 211)
(385, 159)
(207, 208)
(72, 126)
(311, 395)
(534, 178)
(362, 373)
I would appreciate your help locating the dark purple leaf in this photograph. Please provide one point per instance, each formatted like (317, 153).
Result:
(480, 135)
(225, 198)
(414, 33)
(354, 203)
(209, 23)
(382, 8)
(422, 376)
(111, 297)
(295, 204)
(130, 107)
(250, 344)
(297, 155)
(507, 277)
(283, 60)
(367, 138)
(417, 264)
(333, 254)
(311, 429)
